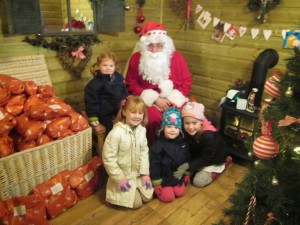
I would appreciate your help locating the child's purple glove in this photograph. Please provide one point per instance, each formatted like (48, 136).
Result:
(147, 181)
(124, 185)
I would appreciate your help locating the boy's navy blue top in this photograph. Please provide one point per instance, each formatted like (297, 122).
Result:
(103, 95)
(166, 155)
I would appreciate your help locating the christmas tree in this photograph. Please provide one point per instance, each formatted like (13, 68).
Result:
(270, 191)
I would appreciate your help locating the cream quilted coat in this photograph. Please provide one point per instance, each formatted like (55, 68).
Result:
(126, 154)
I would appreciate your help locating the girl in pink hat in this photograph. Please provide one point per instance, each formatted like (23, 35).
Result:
(207, 149)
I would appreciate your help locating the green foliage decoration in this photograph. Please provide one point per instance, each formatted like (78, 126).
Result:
(64, 46)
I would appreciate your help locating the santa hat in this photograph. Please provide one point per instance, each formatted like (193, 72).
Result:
(193, 109)
(153, 32)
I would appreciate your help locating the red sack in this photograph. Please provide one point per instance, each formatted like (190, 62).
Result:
(30, 88)
(4, 96)
(23, 211)
(57, 193)
(50, 110)
(29, 129)
(86, 179)
(33, 100)
(58, 127)
(78, 122)
(14, 85)
(7, 122)
(21, 144)
(66, 133)
(46, 91)
(16, 104)
(43, 139)
(6, 146)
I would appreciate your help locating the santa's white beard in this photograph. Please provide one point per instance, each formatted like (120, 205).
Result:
(154, 66)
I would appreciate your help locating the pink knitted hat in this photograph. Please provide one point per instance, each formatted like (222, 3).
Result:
(193, 109)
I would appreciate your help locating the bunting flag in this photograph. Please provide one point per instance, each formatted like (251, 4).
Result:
(291, 38)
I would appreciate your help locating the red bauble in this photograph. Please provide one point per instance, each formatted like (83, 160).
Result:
(271, 86)
(265, 147)
(137, 29)
(140, 19)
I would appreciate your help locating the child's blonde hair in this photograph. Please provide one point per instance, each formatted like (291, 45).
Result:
(132, 104)
(101, 58)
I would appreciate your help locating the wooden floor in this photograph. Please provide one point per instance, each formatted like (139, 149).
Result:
(200, 206)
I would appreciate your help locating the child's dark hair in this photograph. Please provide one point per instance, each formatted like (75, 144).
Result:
(133, 104)
(102, 57)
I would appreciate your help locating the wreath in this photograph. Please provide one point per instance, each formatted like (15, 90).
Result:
(182, 9)
(74, 52)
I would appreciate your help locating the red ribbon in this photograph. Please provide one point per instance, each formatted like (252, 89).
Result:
(188, 13)
(288, 120)
(78, 54)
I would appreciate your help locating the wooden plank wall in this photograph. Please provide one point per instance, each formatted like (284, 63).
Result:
(214, 66)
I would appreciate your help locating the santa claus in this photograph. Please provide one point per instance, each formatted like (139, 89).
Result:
(159, 74)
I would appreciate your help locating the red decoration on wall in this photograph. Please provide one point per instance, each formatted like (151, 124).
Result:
(137, 29)
(139, 16)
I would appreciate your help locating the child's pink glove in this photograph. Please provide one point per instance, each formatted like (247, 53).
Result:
(124, 185)
(186, 179)
(147, 181)
(157, 189)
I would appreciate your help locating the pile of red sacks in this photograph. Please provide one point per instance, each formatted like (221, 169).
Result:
(31, 115)
(54, 196)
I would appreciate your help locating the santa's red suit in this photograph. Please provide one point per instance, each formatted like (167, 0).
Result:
(136, 85)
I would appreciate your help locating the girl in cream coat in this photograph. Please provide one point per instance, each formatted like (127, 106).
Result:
(126, 157)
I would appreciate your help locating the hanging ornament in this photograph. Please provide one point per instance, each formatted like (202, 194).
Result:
(265, 146)
(250, 154)
(289, 92)
(139, 16)
(137, 29)
(271, 86)
(140, 19)
(275, 182)
(251, 206)
(127, 6)
(257, 163)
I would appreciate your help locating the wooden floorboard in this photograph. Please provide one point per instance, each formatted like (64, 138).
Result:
(199, 206)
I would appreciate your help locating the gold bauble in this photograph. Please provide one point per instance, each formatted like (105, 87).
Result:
(275, 182)
(289, 92)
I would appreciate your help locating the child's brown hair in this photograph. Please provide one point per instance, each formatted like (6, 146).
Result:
(133, 104)
(101, 58)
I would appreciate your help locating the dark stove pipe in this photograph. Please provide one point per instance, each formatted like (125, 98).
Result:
(265, 60)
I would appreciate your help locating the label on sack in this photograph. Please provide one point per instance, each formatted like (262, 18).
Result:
(89, 176)
(55, 106)
(1, 115)
(56, 188)
(20, 210)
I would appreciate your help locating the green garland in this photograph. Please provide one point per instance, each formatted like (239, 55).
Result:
(64, 46)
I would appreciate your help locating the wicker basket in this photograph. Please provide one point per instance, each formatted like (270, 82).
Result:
(22, 171)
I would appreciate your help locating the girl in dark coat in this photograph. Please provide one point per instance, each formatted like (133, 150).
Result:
(206, 145)
(166, 154)
(103, 94)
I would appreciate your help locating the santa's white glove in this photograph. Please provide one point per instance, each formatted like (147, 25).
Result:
(149, 96)
(166, 88)
(176, 98)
